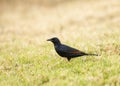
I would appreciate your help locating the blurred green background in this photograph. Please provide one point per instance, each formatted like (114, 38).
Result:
(27, 59)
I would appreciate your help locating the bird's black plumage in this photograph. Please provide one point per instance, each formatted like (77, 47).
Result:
(66, 51)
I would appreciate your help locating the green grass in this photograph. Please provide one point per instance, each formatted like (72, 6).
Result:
(27, 59)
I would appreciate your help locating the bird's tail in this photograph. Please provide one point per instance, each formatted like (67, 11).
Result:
(92, 54)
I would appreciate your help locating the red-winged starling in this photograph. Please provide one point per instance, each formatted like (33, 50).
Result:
(67, 51)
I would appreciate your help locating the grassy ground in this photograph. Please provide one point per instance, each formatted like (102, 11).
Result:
(27, 59)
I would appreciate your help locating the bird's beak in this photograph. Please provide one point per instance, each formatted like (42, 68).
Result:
(48, 39)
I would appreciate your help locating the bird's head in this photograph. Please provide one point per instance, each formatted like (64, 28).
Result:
(54, 40)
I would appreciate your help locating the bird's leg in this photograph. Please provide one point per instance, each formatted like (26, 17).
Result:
(68, 58)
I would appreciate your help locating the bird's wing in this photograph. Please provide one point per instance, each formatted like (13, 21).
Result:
(70, 50)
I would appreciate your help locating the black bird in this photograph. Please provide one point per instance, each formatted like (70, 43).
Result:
(66, 51)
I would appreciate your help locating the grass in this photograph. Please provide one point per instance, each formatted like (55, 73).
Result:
(27, 59)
